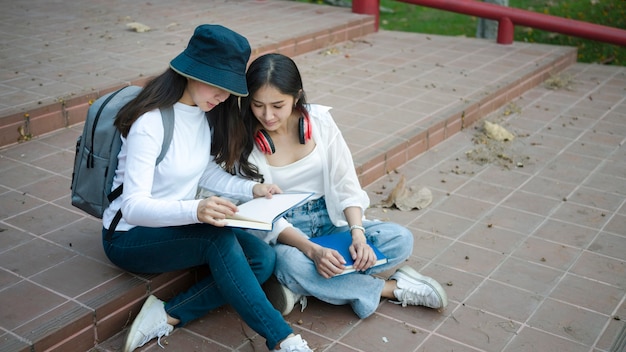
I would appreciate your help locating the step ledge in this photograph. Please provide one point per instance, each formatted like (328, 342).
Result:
(450, 123)
(109, 312)
(40, 120)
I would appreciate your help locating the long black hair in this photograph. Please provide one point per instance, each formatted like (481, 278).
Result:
(229, 133)
(275, 70)
(230, 139)
(162, 91)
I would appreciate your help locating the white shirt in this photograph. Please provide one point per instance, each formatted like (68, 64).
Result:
(340, 182)
(165, 195)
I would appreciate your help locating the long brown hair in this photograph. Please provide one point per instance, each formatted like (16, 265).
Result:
(162, 91)
(229, 133)
(230, 138)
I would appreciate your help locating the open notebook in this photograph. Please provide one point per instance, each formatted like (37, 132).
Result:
(261, 213)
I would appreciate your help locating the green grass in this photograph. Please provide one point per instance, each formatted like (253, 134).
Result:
(612, 13)
(401, 16)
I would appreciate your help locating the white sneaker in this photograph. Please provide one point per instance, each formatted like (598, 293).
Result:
(281, 297)
(418, 290)
(294, 344)
(151, 322)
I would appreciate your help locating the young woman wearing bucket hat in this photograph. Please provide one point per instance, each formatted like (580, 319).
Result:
(163, 226)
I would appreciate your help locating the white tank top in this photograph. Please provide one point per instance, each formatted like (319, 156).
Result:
(304, 175)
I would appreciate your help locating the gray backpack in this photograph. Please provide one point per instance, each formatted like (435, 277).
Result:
(97, 149)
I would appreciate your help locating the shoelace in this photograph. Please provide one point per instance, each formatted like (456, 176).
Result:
(162, 331)
(303, 303)
(410, 296)
(297, 348)
(404, 299)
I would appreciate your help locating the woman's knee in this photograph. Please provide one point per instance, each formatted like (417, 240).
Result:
(406, 235)
(392, 236)
(265, 267)
(290, 260)
(260, 255)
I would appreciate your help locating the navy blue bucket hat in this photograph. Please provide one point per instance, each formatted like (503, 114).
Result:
(216, 56)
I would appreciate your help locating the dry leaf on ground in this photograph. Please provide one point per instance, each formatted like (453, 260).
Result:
(407, 199)
(138, 27)
(497, 132)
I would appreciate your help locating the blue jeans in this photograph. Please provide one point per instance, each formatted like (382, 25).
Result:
(296, 271)
(238, 263)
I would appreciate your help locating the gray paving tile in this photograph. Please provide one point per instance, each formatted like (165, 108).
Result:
(543, 237)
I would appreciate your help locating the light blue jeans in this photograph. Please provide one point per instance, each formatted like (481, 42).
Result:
(237, 261)
(359, 289)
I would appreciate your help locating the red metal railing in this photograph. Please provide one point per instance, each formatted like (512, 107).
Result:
(507, 18)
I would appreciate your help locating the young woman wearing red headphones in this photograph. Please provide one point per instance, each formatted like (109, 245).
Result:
(298, 147)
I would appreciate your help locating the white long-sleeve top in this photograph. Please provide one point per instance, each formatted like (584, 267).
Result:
(341, 184)
(165, 195)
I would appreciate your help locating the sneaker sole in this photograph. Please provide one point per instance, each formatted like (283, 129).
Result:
(414, 275)
(279, 298)
(133, 328)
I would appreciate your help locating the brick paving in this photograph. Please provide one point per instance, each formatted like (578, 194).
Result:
(531, 252)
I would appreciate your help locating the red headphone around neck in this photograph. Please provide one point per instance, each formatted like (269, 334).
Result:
(264, 141)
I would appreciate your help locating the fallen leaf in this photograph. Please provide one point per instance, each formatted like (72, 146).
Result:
(497, 132)
(138, 27)
(407, 199)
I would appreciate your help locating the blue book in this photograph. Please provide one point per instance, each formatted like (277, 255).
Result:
(341, 242)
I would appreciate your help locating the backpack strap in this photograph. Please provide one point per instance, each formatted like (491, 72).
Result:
(167, 115)
(90, 158)
(111, 230)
